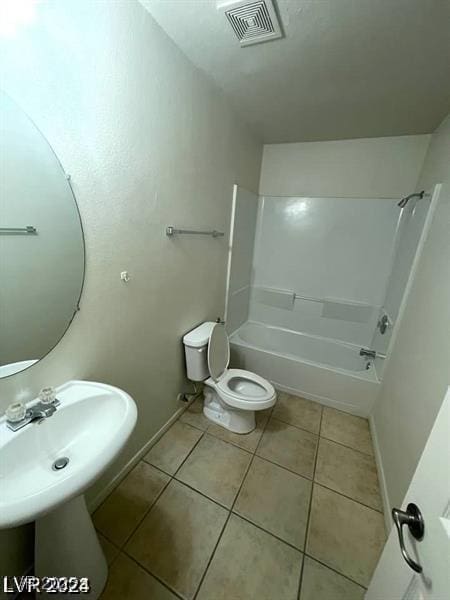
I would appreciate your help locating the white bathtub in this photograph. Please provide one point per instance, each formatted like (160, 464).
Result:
(321, 369)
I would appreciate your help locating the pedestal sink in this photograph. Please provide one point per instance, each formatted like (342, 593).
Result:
(89, 428)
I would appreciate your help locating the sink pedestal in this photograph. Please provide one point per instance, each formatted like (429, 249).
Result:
(66, 545)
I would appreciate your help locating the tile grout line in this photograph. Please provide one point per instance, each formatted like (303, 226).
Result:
(312, 479)
(171, 477)
(310, 508)
(189, 453)
(205, 432)
(133, 531)
(235, 444)
(122, 549)
(319, 434)
(334, 570)
(202, 578)
(298, 426)
(348, 447)
(347, 497)
(323, 407)
(230, 511)
(188, 409)
(274, 535)
(282, 467)
(163, 583)
(308, 519)
(119, 548)
(119, 551)
(215, 501)
(211, 435)
(201, 493)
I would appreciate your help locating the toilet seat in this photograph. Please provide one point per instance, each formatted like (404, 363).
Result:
(237, 387)
(244, 390)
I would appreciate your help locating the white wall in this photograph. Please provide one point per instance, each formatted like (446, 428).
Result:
(366, 168)
(242, 242)
(418, 371)
(41, 275)
(149, 143)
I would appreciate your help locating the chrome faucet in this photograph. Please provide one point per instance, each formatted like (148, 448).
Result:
(42, 411)
(37, 412)
(368, 353)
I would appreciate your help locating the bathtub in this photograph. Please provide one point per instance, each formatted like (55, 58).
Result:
(317, 368)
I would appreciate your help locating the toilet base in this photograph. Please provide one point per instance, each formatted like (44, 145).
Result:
(233, 419)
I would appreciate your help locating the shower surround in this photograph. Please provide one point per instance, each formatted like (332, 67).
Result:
(308, 280)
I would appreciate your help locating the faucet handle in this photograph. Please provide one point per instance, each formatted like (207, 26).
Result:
(16, 412)
(47, 395)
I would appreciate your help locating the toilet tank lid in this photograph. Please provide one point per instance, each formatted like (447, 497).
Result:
(199, 336)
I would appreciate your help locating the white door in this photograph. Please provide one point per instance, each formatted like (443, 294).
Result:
(430, 491)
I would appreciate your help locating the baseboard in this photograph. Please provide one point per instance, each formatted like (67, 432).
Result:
(95, 502)
(344, 406)
(381, 477)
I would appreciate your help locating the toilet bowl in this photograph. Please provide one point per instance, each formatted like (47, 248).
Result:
(231, 395)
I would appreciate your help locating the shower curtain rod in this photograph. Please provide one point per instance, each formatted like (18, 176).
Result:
(404, 201)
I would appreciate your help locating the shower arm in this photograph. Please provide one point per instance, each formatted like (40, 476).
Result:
(404, 201)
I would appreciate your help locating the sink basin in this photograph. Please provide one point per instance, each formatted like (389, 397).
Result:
(89, 428)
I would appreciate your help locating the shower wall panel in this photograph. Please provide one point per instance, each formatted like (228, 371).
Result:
(335, 254)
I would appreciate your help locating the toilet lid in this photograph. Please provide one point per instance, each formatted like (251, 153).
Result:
(218, 351)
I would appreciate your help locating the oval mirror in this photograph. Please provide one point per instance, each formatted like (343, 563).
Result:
(41, 244)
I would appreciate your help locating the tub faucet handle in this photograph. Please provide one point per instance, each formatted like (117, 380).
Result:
(383, 324)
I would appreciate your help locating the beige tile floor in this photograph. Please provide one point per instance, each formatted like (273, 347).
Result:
(291, 511)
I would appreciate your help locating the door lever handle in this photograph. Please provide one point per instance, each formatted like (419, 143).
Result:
(413, 518)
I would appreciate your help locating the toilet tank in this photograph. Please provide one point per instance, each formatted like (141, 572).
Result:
(196, 351)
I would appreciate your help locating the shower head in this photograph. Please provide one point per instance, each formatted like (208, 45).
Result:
(404, 201)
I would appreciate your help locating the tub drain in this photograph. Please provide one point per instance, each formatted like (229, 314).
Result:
(60, 463)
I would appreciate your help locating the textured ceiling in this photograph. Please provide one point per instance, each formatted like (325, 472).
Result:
(345, 69)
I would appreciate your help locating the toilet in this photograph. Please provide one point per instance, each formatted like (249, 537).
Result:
(231, 395)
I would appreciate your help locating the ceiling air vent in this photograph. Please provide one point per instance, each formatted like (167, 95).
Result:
(252, 22)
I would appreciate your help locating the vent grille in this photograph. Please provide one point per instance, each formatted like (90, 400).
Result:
(252, 22)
